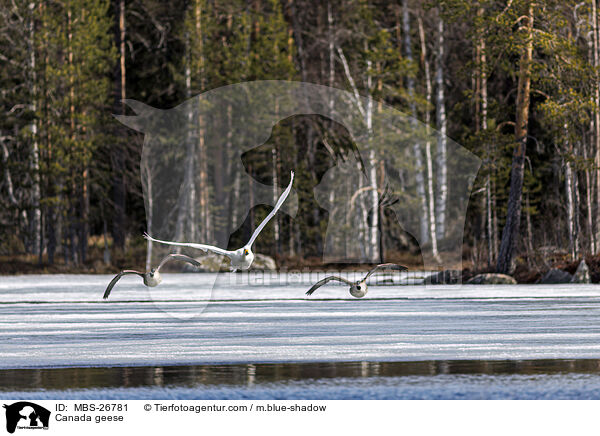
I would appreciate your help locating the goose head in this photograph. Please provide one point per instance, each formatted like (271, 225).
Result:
(152, 278)
(359, 289)
(243, 258)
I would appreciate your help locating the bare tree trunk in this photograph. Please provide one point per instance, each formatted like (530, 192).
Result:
(363, 218)
(233, 175)
(490, 205)
(35, 156)
(594, 237)
(203, 170)
(428, 158)
(570, 208)
(368, 241)
(495, 225)
(85, 215)
(203, 186)
(186, 200)
(236, 194)
(373, 237)
(442, 177)
(275, 183)
(410, 84)
(510, 232)
(51, 226)
(275, 197)
(250, 228)
(147, 176)
(72, 133)
(106, 253)
(118, 230)
(331, 52)
(7, 176)
(588, 204)
(380, 212)
(529, 232)
(577, 208)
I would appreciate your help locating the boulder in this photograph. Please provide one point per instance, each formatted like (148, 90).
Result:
(555, 276)
(582, 275)
(446, 277)
(211, 262)
(492, 279)
(262, 262)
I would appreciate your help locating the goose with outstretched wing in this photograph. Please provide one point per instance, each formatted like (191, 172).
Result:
(151, 278)
(357, 289)
(243, 257)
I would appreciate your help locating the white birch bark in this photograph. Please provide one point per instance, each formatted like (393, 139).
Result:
(191, 158)
(441, 159)
(570, 208)
(588, 204)
(149, 194)
(186, 202)
(410, 84)
(571, 198)
(576, 210)
(428, 159)
(7, 176)
(275, 196)
(373, 230)
(35, 157)
(490, 206)
(369, 235)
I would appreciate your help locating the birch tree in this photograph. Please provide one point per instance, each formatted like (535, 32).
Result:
(441, 122)
(428, 155)
(410, 86)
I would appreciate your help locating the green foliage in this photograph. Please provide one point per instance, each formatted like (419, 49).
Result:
(57, 64)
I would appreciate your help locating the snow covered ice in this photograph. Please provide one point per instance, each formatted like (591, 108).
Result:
(48, 321)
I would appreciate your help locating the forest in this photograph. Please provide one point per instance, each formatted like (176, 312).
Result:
(514, 82)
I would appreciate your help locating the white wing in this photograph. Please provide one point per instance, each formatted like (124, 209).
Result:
(272, 214)
(202, 247)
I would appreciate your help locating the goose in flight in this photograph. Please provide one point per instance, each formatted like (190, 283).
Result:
(243, 257)
(357, 289)
(151, 278)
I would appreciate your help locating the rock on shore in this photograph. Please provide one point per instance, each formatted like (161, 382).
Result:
(446, 277)
(215, 263)
(492, 279)
(582, 275)
(555, 276)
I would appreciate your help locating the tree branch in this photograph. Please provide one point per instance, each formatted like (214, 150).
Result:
(351, 80)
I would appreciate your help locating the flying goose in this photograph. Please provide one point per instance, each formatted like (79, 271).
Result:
(151, 278)
(243, 257)
(357, 289)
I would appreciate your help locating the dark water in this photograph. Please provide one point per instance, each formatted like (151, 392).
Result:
(57, 379)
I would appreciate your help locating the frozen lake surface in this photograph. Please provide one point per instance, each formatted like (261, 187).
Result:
(56, 321)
